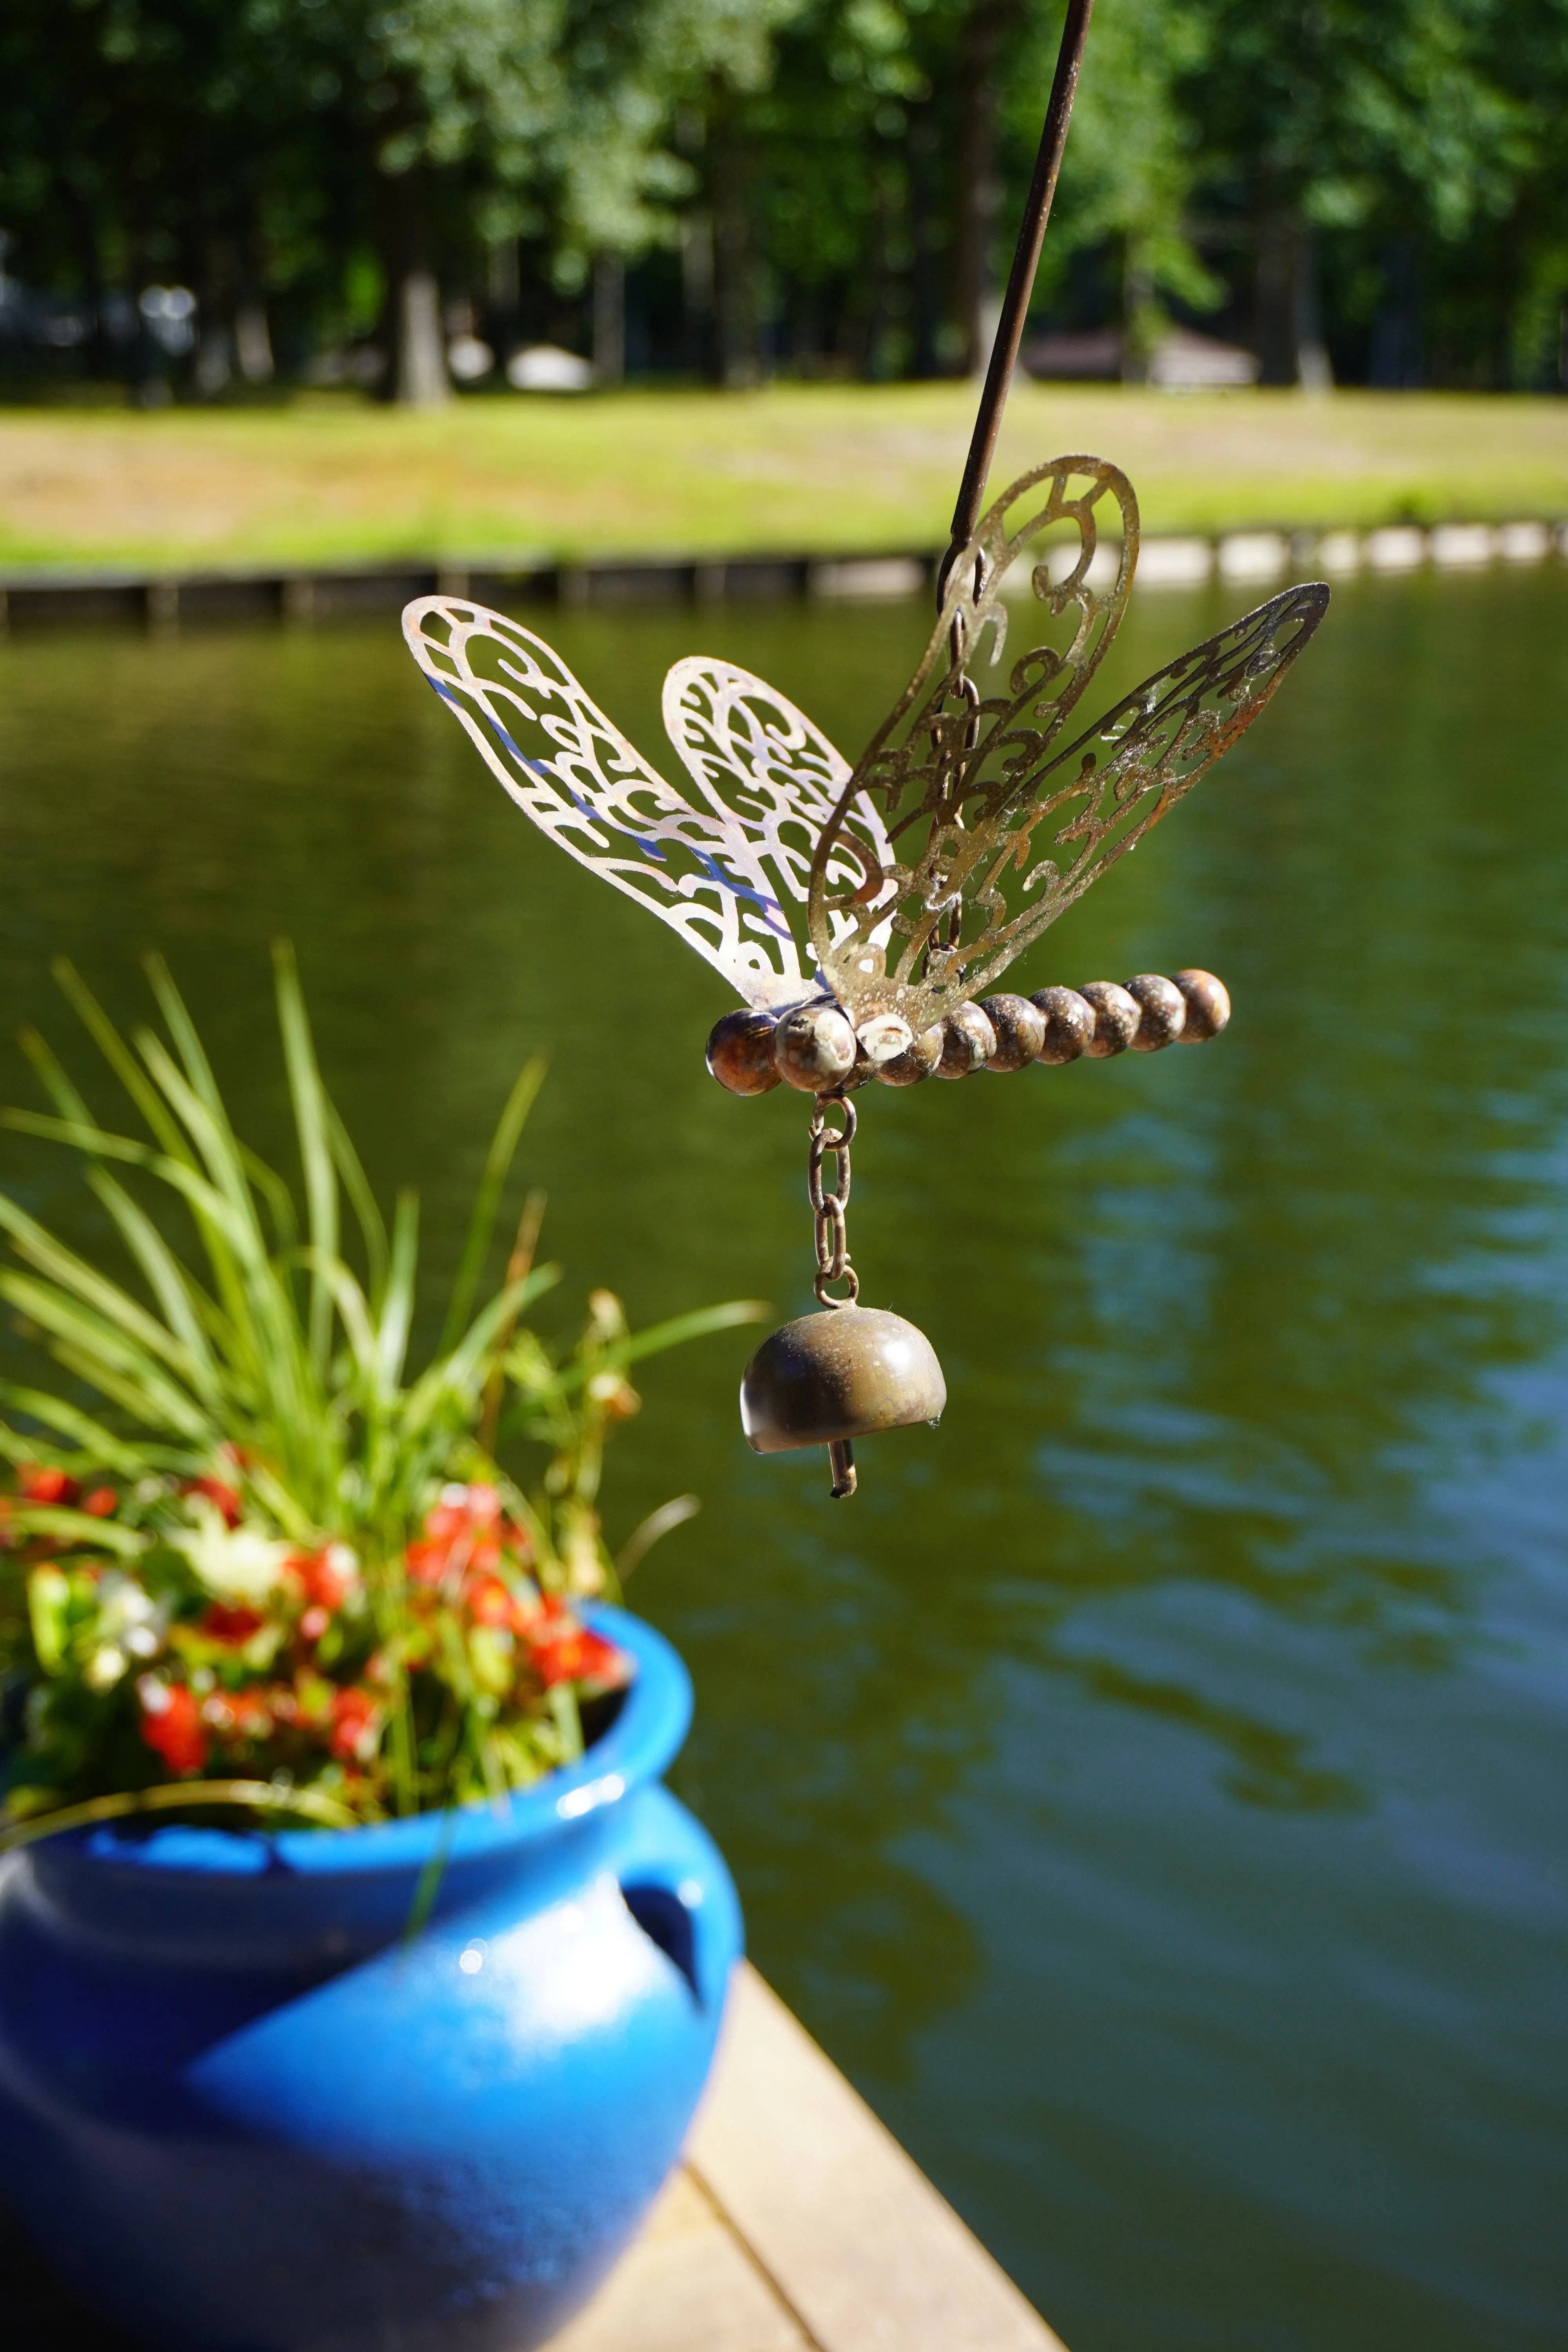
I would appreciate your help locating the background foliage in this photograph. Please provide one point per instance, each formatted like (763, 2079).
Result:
(734, 187)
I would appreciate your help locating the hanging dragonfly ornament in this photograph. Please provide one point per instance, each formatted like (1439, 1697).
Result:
(864, 915)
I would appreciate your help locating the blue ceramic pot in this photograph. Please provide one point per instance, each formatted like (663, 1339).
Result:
(243, 2110)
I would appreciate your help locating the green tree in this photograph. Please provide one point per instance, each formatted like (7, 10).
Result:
(534, 113)
(1386, 178)
(1385, 133)
(1133, 159)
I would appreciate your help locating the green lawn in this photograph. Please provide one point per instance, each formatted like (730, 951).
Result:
(803, 468)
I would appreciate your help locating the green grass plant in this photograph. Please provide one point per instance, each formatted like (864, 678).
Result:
(328, 478)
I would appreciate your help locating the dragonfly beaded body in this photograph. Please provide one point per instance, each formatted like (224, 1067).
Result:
(863, 914)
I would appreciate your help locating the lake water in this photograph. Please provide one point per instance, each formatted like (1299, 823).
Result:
(1150, 1790)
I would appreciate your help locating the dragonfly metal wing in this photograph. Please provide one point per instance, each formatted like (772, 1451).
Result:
(943, 740)
(752, 754)
(1098, 798)
(711, 872)
(996, 828)
(911, 881)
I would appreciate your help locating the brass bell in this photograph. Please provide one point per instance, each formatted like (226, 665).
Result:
(844, 1374)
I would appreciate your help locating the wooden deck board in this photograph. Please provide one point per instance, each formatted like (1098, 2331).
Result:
(866, 2251)
(688, 2284)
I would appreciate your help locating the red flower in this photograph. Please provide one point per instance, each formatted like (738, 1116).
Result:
(235, 1625)
(426, 1562)
(171, 1725)
(41, 1485)
(462, 1533)
(326, 1578)
(448, 1551)
(568, 1652)
(355, 1720)
(489, 1601)
(216, 1492)
(102, 1503)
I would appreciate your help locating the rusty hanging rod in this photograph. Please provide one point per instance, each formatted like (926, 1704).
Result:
(1020, 286)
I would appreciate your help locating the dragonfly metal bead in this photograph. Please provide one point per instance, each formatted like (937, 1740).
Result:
(1164, 1010)
(968, 1042)
(1116, 1017)
(815, 1048)
(1020, 1031)
(1069, 1024)
(741, 1052)
(1208, 1006)
(918, 1061)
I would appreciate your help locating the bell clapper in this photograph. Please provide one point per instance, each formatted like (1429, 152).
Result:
(841, 1462)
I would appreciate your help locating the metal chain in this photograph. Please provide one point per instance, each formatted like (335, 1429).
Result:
(832, 1242)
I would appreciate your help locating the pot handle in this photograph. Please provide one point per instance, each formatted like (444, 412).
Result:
(674, 1883)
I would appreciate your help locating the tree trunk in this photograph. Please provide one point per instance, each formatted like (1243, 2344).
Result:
(1395, 361)
(979, 191)
(421, 376)
(1141, 317)
(737, 326)
(926, 272)
(1314, 369)
(697, 292)
(102, 358)
(609, 317)
(875, 322)
(1274, 293)
(503, 296)
(214, 365)
(412, 333)
(1291, 345)
(252, 332)
(253, 340)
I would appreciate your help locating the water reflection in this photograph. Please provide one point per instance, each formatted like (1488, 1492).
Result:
(1142, 1785)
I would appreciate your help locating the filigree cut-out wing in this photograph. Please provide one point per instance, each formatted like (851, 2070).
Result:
(714, 873)
(995, 830)
(752, 753)
(941, 736)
